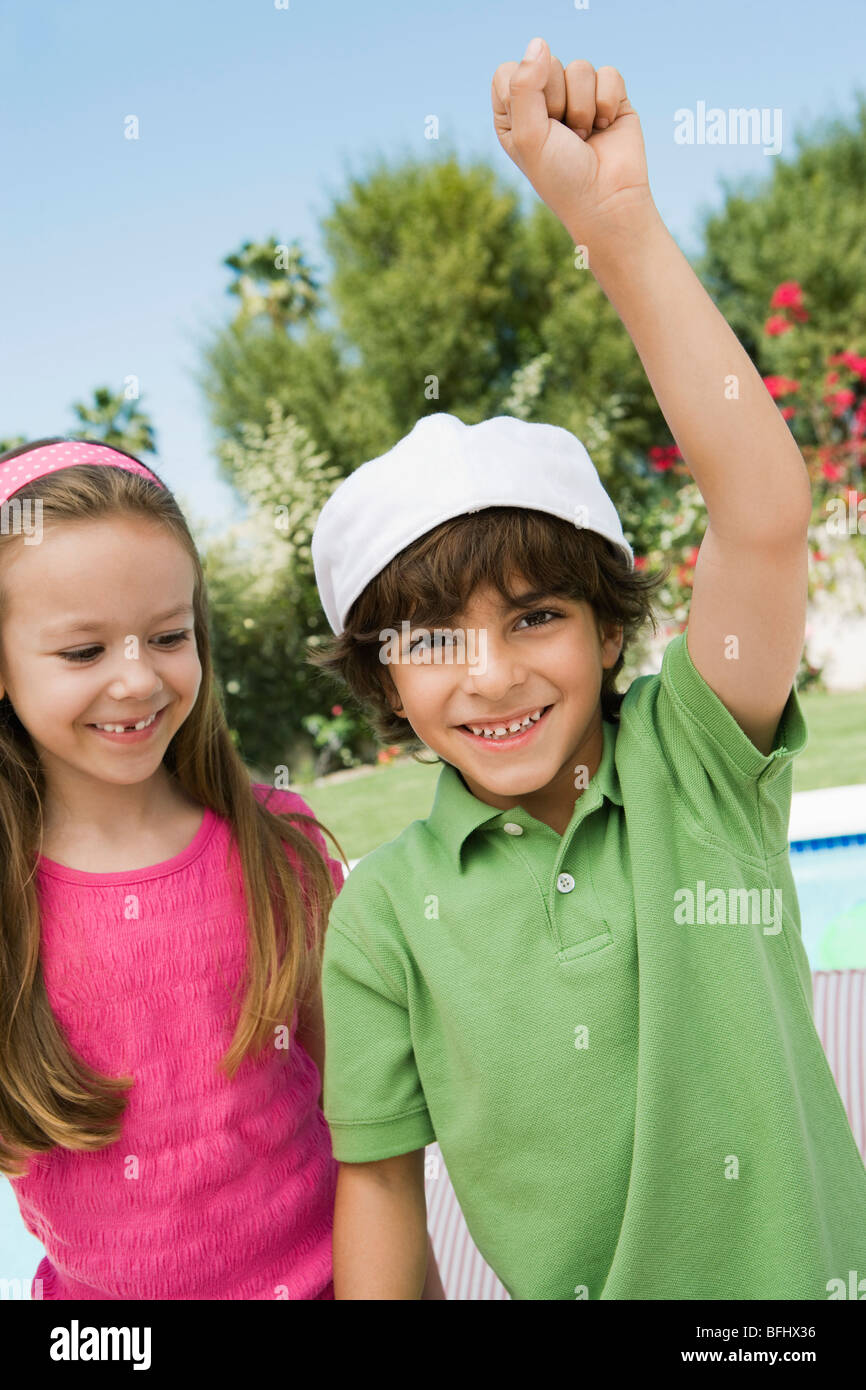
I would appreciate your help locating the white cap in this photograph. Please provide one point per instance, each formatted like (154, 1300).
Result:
(443, 469)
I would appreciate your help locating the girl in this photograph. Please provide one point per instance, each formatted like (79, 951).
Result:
(163, 1134)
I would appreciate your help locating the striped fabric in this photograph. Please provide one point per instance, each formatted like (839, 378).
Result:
(840, 1018)
(840, 1021)
(464, 1274)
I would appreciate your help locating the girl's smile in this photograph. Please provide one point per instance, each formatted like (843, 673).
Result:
(130, 735)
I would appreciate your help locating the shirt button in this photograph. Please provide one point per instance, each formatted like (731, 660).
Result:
(565, 883)
(511, 828)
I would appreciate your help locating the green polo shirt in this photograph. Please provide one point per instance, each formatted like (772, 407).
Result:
(609, 1032)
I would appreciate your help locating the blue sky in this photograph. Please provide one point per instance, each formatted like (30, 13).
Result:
(251, 120)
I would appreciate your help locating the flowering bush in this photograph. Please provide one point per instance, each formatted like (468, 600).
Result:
(387, 755)
(334, 736)
(823, 395)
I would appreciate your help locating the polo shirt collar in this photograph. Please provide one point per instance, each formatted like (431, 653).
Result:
(456, 812)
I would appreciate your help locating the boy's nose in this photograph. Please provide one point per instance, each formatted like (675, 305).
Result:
(497, 670)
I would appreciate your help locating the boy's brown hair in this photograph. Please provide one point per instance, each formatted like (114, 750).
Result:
(431, 581)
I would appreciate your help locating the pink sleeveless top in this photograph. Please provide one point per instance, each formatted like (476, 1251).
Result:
(216, 1189)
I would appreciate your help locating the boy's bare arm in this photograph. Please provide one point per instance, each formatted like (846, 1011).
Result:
(311, 1035)
(381, 1246)
(750, 577)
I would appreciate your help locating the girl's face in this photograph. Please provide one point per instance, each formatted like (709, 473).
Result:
(550, 656)
(98, 628)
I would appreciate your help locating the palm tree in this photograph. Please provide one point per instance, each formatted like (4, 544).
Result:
(273, 279)
(114, 420)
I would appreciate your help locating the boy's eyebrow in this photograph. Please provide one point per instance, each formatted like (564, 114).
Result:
(523, 601)
(70, 625)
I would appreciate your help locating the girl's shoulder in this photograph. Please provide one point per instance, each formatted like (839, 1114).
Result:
(278, 799)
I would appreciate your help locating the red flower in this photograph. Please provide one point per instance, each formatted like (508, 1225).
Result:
(787, 412)
(336, 709)
(832, 471)
(852, 361)
(776, 326)
(385, 755)
(788, 293)
(839, 401)
(640, 562)
(780, 385)
(664, 458)
(686, 571)
(818, 555)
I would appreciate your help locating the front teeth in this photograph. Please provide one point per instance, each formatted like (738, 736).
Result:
(501, 731)
(122, 729)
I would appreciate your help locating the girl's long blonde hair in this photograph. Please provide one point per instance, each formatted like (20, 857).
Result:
(48, 1095)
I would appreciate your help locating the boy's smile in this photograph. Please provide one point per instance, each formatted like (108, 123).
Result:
(506, 731)
(543, 671)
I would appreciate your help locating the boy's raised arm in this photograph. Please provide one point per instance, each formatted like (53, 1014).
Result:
(748, 609)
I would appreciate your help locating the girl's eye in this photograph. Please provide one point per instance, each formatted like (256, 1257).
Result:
(168, 640)
(540, 612)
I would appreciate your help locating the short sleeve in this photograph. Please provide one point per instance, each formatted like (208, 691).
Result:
(717, 733)
(727, 785)
(373, 1099)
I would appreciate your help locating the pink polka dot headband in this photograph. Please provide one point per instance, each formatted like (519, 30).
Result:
(35, 463)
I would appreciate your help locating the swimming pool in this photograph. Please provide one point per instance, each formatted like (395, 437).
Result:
(830, 878)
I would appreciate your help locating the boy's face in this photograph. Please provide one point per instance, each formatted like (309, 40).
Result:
(550, 656)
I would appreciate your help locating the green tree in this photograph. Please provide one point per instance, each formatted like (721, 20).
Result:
(116, 421)
(273, 279)
(249, 365)
(447, 297)
(804, 223)
(262, 590)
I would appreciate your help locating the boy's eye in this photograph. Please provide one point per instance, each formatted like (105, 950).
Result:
(430, 639)
(540, 612)
(169, 639)
(434, 639)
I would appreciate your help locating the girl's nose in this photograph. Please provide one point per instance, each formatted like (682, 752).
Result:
(134, 675)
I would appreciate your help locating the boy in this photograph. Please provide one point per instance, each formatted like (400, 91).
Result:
(583, 973)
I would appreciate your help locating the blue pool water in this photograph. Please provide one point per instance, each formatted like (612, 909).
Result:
(830, 877)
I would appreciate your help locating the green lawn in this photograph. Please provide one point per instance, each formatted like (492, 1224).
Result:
(372, 807)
